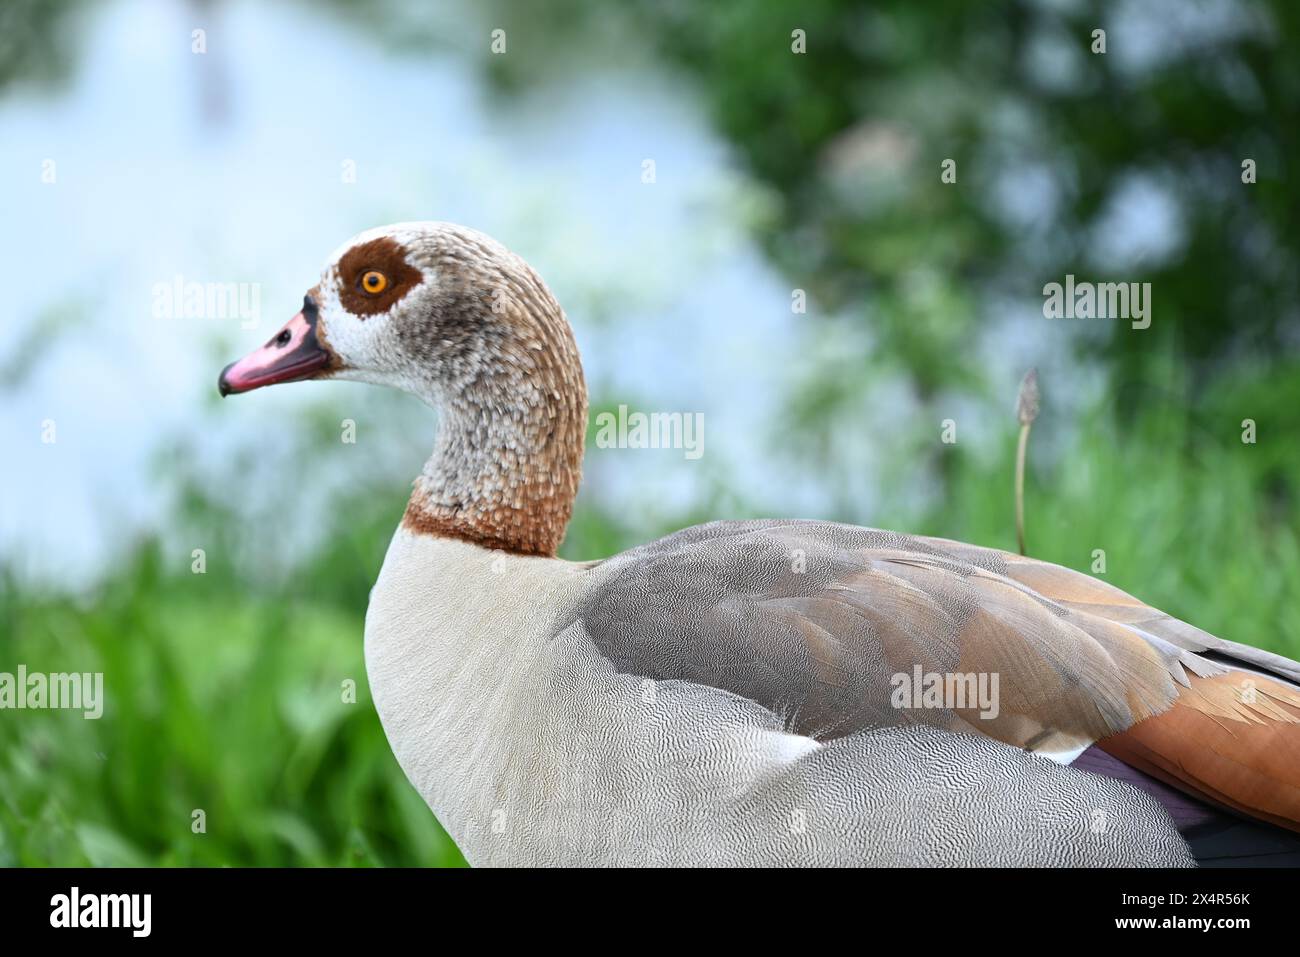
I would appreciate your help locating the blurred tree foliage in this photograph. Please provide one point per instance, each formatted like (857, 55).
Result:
(34, 40)
(1051, 141)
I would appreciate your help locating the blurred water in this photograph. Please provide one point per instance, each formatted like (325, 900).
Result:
(227, 167)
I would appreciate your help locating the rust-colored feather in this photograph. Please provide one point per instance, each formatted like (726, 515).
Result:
(1233, 740)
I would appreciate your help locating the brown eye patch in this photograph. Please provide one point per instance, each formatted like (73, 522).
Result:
(357, 287)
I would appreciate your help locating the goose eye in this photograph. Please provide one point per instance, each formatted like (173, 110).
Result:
(374, 282)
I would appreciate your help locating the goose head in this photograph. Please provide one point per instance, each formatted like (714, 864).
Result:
(452, 316)
(415, 306)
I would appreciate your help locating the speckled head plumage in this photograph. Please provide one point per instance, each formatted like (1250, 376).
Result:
(452, 316)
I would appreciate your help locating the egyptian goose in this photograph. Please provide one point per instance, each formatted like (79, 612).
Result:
(738, 692)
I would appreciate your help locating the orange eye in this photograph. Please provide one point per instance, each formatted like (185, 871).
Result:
(374, 282)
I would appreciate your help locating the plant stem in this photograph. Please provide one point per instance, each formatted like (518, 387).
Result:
(1021, 450)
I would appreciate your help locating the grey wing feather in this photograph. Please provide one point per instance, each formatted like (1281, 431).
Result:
(813, 620)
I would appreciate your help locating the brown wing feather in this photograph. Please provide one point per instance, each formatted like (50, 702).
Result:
(1066, 676)
(1231, 737)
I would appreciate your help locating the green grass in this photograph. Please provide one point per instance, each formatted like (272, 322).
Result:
(216, 700)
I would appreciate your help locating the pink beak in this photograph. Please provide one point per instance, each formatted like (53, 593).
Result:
(293, 353)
